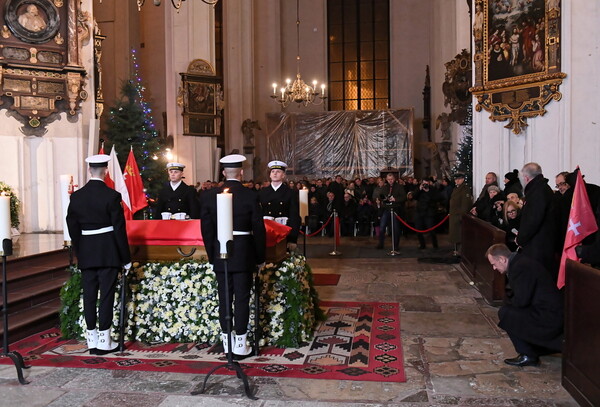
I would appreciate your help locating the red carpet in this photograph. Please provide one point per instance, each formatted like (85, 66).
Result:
(326, 279)
(358, 341)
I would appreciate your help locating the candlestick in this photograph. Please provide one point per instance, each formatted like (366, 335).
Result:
(224, 220)
(322, 89)
(303, 195)
(275, 89)
(66, 181)
(4, 219)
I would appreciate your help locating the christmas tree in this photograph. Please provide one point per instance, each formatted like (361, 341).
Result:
(131, 125)
(464, 154)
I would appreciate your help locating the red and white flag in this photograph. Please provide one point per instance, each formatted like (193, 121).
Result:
(582, 223)
(107, 179)
(115, 169)
(134, 183)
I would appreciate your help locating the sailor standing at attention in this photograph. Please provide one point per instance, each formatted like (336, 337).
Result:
(280, 201)
(97, 227)
(245, 254)
(176, 196)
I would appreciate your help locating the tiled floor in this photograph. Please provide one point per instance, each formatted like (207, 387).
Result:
(452, 348)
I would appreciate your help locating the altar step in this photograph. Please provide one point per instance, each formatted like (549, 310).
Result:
(33, 284)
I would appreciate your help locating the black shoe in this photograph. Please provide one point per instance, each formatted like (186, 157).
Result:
(523, 360)
(379, 246)
(101, 352)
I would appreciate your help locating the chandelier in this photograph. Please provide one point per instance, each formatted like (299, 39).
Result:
(298, 91)
(176, 3)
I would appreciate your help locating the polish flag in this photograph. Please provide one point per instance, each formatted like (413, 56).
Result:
(582, 223)
(107, 179)
(115, 169)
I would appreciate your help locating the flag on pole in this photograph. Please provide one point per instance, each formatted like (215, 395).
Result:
(115, 169)
(134, 183)
(582, 223)
(107, 179)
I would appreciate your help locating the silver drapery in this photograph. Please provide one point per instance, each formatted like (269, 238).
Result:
(348, 143)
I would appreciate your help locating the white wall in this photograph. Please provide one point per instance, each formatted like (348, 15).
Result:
(567, 135)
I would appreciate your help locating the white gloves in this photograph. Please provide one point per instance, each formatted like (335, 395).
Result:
(127, 267)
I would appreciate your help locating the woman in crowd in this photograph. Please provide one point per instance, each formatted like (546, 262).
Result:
(512, 220)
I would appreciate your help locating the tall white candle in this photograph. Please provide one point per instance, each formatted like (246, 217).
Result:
(224, 219)
(4, 218)
(303, 204)
(65, 198)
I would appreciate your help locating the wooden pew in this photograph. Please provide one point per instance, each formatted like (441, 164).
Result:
(581, 351)
(477, 236)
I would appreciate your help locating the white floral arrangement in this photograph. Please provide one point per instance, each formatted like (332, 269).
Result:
(178, 302)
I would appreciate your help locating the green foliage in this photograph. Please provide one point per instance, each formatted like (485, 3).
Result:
(70, 312)
(464, 154)
(130, 125)
(15, 204)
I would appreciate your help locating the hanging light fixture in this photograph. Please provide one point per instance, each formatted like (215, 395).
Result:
(175, 3)
(298, 91)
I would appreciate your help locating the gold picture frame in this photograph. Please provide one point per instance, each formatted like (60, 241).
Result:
(200, 98)
(517, 58)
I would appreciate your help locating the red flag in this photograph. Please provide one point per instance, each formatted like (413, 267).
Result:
(134, 183)
(107, 179)
(582, 223)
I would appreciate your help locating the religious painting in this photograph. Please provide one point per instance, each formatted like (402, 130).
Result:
(201, 97)
(517, 50)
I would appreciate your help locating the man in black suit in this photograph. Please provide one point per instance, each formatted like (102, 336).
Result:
(176, 196)
(532, 315)
(393, 195)
(97, 228)
(246, 252)
(278, 200)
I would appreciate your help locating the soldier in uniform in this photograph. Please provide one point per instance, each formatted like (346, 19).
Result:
(461, 201)
(176, 196)
(278, 200)
(97, 227)
(248, 249)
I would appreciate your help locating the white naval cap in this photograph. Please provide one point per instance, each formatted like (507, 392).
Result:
(175, 166)
(277, 165)
(232, 161)
(98, 160)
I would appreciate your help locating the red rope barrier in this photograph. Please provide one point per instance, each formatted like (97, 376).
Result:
(320, 229)
(426, 230)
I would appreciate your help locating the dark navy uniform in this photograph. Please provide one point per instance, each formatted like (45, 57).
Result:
(283, 202)
(248, 249)
(97, 227)
(182, 199)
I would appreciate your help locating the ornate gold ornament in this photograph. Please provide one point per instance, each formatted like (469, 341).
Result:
(517, 59)
(456, 86)
(41, 70)
(5, 32)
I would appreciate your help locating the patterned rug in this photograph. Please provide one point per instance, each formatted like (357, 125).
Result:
(357, 341)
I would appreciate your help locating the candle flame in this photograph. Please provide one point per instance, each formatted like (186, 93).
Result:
(226, 191)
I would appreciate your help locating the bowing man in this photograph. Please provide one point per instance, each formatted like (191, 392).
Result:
(97, 227)
(247, 250)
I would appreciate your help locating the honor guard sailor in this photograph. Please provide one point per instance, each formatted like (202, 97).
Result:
(247, 250)
(176, 196)
(280, 201)
(97, 227)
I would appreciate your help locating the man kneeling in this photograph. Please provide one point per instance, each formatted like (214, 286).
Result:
(532, 315)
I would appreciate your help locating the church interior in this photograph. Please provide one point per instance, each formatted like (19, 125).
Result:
(350, 87)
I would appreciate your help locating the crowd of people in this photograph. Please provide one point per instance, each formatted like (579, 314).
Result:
(363, 204)
(534, 217)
